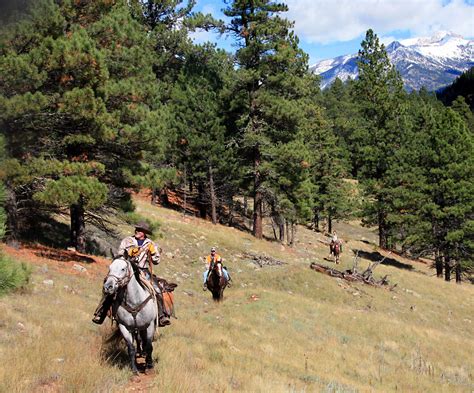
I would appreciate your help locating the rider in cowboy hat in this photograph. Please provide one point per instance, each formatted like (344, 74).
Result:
(216, 258)
(140, 249)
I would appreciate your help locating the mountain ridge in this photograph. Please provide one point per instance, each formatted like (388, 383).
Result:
(431, 62)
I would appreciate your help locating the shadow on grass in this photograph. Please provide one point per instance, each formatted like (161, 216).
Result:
(376, 256)
(62, 255)
(113, 349)
(48, 232)
(52, 238)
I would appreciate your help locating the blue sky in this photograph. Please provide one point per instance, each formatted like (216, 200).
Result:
(330, 28)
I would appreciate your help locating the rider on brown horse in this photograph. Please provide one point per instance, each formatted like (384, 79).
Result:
(335, 247)
(212, 260)
(142, 251)
(334, 241)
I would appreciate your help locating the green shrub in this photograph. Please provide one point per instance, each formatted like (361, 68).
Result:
(13, 275)
(133, 218)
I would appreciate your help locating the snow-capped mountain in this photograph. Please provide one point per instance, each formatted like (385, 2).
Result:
(432, 62)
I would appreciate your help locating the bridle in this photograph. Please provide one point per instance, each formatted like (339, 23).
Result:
(121, 281)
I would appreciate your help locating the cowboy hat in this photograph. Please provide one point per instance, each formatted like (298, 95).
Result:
(144, 227)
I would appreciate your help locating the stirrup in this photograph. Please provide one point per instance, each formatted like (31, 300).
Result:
(98, 319)
(163, 321)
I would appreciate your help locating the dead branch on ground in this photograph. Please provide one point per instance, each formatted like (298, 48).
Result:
(353, 275)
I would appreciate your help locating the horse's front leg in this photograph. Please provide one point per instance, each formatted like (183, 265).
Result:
(147, 338)
(128, 336)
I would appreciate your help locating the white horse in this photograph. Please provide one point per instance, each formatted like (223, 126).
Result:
(137, 311)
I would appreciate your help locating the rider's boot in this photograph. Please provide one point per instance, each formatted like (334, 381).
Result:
(101, 311)
(204, 285)
(229, 279)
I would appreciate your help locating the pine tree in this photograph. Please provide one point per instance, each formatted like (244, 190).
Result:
(270, 72)
(80, 104)
(289, 187)
(341, 111)
(463, 86)
(433, 191)
(201, 141)
(379, 96)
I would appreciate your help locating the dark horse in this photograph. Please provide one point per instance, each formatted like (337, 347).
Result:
(335, 249)
(216, 283)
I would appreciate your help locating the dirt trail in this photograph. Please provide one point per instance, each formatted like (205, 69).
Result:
(63, 261)
(141, 383)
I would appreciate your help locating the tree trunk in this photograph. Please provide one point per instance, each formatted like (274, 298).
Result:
(258, 199)
(78, 226)
(11, 208)
(447, 269)
(382, 221)
(213, 196)
(316, 222)
(329, 223)
(202, 200)
(438, 264)
(292, 240)
(163, 195)
(154, 193)
(184, 193)
(458, 272)
(246, 205)
(274, 229)
(281, 226)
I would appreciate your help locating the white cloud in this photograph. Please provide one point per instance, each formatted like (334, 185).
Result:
(201, 36)
(326, 21)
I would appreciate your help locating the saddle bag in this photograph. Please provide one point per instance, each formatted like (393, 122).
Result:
(167, 289)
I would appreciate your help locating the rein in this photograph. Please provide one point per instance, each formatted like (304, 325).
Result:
(135, 310)
(121, 282)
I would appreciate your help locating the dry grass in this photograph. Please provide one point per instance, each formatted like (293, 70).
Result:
(280, 329)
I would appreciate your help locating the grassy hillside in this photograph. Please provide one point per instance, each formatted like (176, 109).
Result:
(281, 328)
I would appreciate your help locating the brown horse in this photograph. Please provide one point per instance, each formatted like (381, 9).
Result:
(216, 282)
(335, 250)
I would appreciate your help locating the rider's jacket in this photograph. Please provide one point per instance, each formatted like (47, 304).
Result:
(216, 258)
(140, 253)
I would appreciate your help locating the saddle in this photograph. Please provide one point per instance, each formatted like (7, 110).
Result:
(159, 288)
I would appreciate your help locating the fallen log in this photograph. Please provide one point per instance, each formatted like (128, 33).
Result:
(353, 276)
(263, 260)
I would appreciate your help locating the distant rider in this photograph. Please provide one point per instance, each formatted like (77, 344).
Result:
(210, 259)
(334, 240)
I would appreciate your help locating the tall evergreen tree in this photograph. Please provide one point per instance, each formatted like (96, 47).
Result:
(379, 96)
(463, 86)
(80, 103)
(270, 71)
(433, 190)
(202, 145)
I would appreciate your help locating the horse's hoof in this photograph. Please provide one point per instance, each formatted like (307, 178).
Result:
(149, 370)
(135, 378)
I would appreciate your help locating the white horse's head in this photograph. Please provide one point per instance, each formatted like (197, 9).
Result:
(120, 273)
